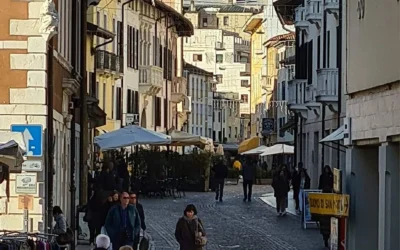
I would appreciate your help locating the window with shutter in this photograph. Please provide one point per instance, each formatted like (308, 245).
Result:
(128, 103)
(136, 102)
(118, 104)
(137, 50)
(129, 45)
(165, 113)
(165, 62)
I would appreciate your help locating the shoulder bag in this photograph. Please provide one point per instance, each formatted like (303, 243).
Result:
(65, 238)
(200, 239)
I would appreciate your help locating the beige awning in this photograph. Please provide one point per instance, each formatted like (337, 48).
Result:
(181, 138)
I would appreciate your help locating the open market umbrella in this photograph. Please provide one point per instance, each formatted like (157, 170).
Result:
(278, 149)
(130, 136)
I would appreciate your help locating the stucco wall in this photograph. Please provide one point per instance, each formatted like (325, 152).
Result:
(373, 44)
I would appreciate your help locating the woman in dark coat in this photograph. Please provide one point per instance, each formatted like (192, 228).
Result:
(186, 229)
(280, 184)
(326, 185)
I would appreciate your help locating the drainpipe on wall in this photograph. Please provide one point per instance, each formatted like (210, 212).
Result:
(50, 135)
(83, 121)
(339, 63)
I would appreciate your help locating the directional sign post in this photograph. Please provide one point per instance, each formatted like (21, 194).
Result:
(33, 137)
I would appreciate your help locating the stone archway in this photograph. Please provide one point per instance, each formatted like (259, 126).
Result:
(143, 121)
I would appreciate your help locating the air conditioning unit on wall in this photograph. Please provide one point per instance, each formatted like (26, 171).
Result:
(347, 131)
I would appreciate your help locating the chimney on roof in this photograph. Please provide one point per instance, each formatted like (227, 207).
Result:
(192, 7)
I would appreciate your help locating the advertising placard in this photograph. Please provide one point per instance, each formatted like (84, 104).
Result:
(329, 204)
(305, 206)
(334, 233)
(26, 183)
(337, 181)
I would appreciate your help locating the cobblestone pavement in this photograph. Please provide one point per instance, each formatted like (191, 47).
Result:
(231, 224)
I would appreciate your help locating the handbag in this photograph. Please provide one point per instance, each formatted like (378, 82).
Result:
(65, 238)
(200, 239)
(144, 243)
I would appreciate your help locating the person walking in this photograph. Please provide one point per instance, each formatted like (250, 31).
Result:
(188, 230)
(220, 173)
(326, 185)
(123, 223)
(296, 179)
(249, 173)
(280, 184)
(134, 201)
(60, 224)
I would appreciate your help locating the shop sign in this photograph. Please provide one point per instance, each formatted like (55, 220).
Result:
(337, 180)
(26, 183)
(329, 204)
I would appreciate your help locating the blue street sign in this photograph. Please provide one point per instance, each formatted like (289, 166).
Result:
(33, 137)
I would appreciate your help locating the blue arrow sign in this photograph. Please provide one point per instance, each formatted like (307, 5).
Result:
(33, 137)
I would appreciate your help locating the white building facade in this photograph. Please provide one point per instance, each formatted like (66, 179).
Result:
(227, 56)
(314, 94)
(200, 90)
(373, 123)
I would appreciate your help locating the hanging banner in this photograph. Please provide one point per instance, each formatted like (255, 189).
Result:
(268, 126)
(329, 204)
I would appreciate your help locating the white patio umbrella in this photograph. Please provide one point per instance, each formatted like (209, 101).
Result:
(278, 149)
(255, 151)
(130, 136)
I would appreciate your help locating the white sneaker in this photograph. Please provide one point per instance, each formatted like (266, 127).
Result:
(284, 213)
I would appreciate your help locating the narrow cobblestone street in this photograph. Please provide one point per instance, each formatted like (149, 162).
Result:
(231, 224)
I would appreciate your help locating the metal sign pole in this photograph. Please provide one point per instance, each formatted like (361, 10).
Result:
(26, 220)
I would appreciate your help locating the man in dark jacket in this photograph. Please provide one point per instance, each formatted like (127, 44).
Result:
(108, 179)
(123, 223)
(249, 173)
(220, 173)
(134, 201)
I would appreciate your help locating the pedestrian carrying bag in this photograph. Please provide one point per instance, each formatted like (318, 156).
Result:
(200, 239)
(65, 238)
(145, 242)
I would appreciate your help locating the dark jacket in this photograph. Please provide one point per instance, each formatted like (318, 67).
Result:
(113, 223)
(248, 171)
(185, 233)
(296, 181)
(326, 182)
(107, 181)
(140, 210)
(220, 170)
(280, 185)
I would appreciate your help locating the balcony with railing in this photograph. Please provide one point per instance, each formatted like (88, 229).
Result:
(179, 89)
(297, 96)
(150, 79)
(327, 87)
(103, 61)
(117, 66)
(310, 100)
(300, 18)
(315, 11)
(219, 46)
(107, 62)
(243, 47)
(246, 71)
(332, 7)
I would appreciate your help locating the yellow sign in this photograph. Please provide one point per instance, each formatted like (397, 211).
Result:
(329, 204)
(25, 202)
(337, 180)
